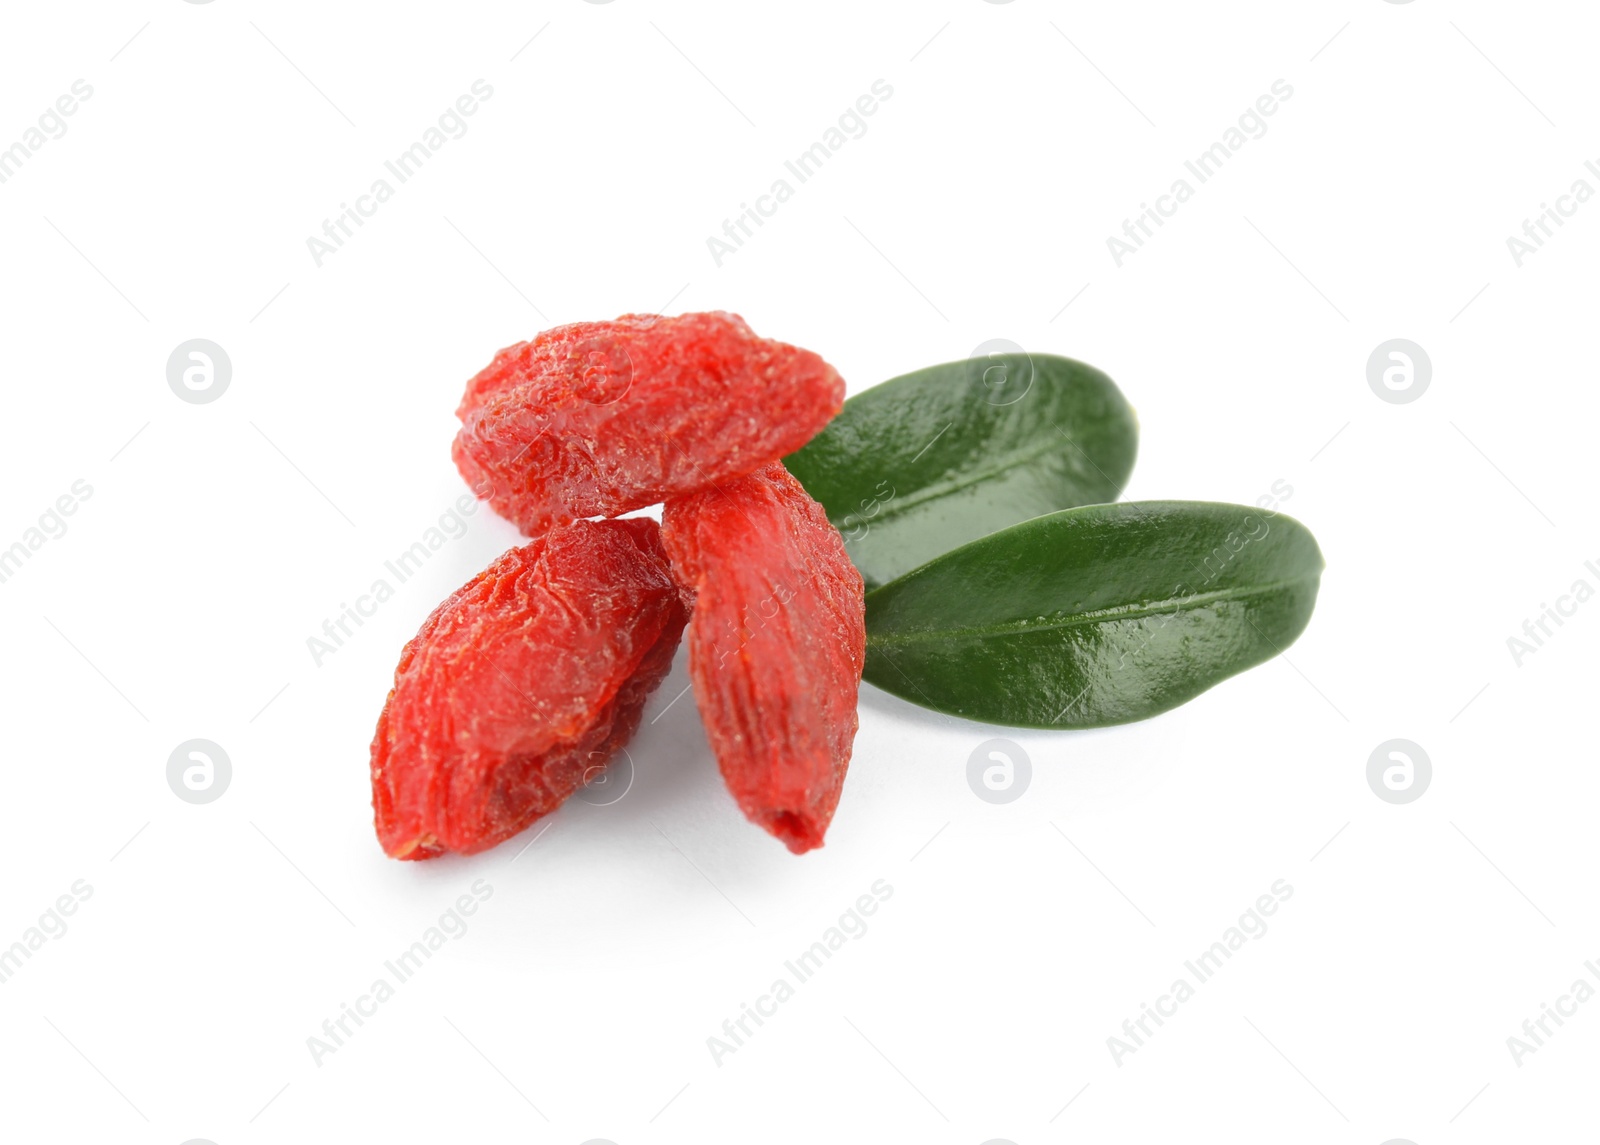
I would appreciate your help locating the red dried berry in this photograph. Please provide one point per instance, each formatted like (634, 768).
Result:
(600, 418)
(521, 685)
(776, 645)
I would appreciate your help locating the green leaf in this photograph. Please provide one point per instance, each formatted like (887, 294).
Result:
(1094, 616)
(925, 462)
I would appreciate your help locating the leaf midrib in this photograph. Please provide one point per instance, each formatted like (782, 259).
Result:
(1082, 619)
(924, 493)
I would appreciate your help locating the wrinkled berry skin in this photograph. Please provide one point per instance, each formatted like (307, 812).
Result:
(521, 685)
(776, 645)
(601, 418)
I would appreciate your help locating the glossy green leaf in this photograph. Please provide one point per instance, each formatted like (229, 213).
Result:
(1096, 615)
(914, 467)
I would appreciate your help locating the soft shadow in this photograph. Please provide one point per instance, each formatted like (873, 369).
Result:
(669, 758)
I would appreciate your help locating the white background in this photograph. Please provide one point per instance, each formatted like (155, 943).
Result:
(219, 537)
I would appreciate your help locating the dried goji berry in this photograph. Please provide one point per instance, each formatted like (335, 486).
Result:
(776, 645)
(599, 418)
(521, 685)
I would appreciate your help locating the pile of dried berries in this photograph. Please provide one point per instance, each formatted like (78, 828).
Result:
(522, 684)
(975, 499)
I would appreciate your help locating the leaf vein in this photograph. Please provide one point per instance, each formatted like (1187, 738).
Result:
(1135, 611)
(943, 488)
